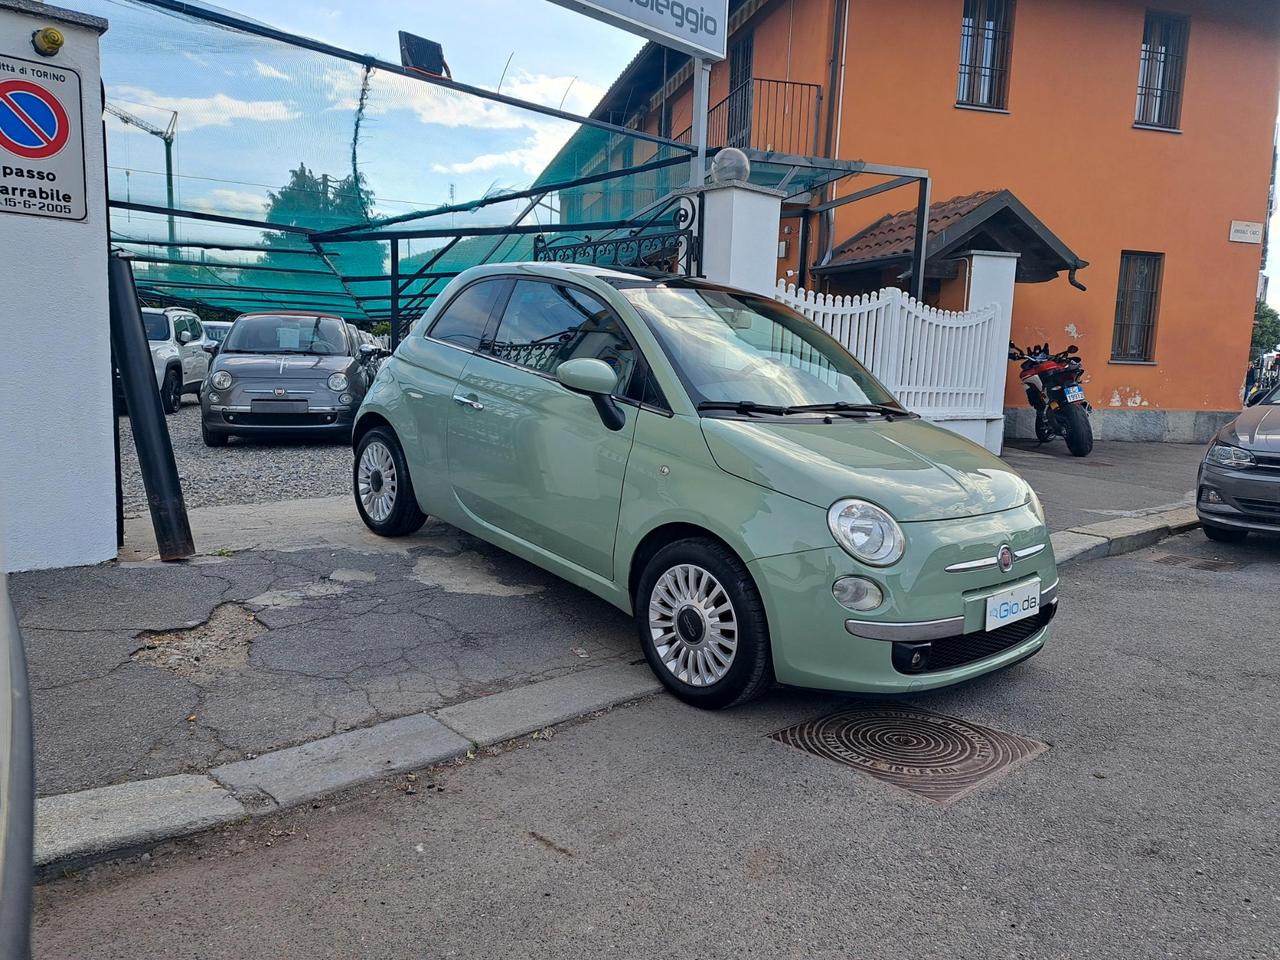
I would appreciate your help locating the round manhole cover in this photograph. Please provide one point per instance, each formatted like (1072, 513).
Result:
(935, 756)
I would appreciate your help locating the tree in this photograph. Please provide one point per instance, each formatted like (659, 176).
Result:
(320, 202)
(1266, 331)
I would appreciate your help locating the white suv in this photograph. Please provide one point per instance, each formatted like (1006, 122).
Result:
(178, 352)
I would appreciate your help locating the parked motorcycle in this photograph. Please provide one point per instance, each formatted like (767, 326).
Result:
(1054, 391)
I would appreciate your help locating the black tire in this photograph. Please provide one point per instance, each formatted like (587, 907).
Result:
(1223, 534)
(750, 668)
(403, 516)
(212, 438)
(171, 390)
(1079, 432)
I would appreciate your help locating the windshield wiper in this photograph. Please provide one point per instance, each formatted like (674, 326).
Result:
(844, 407)
(742, 406)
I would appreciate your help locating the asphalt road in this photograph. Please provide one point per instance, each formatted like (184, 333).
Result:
(1147, 829)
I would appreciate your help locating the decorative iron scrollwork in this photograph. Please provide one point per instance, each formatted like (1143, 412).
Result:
(666, 240)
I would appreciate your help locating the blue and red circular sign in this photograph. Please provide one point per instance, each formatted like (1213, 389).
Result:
(33, 124)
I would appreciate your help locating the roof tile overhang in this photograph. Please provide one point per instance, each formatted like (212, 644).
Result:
(986, 220)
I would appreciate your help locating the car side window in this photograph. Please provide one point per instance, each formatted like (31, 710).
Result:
(463, 321)
(546, 324)
(179, 328)
(197, 331)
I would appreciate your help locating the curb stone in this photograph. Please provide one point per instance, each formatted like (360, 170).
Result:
(1111, 538)
(74, 830)
(77, 829)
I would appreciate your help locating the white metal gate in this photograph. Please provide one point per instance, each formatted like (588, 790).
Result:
(947, 366)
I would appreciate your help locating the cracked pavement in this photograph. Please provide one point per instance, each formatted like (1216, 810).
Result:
(339, 639)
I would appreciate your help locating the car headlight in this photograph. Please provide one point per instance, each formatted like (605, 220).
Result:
(338, 382)
(866, 532)
(1225, 455)
(221, 380)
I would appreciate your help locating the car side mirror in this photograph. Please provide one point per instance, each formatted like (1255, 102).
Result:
(1254, 398)
(185, 336)
(368, 351)
(597, 380)
(1073, 349)
(211, 348)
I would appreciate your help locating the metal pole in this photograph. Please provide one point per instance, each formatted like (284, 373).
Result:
(701, 105)
(168, 177)
(395, 294)
(921, 251)
(150, 434)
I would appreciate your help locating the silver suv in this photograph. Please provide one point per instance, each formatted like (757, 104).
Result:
(179, 352)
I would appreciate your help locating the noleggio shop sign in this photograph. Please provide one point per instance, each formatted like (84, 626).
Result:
(697, 27)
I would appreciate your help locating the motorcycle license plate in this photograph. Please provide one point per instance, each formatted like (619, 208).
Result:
(1075, 393)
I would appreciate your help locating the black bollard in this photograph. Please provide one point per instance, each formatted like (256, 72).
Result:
(150, 433)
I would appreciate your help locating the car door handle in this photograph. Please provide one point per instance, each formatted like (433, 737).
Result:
(468, 402)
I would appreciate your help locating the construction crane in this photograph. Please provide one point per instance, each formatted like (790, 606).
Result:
(167, 135)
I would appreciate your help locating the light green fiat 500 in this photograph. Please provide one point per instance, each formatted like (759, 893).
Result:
(714, 463)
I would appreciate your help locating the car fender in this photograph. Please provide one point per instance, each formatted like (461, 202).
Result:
(672, 479)
(385, 398)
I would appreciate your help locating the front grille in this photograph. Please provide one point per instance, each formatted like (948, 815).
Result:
(1269, 509)
(952, 652)
(1266, 462)
(280, 419)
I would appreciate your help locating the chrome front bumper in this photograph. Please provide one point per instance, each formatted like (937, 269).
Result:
(922, 631)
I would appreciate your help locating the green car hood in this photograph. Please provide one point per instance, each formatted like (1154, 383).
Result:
(913, 469)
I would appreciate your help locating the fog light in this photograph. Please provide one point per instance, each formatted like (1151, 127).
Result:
(346, 398)
(1209, 495)
(857, 593)
(214, 398)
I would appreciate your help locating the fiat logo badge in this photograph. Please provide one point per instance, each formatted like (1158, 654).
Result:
(280, 391)
(1005, 558)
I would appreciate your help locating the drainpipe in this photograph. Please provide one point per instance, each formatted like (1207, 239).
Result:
(835, 99)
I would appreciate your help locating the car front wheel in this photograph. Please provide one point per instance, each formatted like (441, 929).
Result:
(702, 625)
(383, 491)
(1223, 534)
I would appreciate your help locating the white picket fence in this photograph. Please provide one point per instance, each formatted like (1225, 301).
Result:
(948, 367)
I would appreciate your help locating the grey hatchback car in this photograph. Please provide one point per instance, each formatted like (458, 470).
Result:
(1239, 488)
(285, 372)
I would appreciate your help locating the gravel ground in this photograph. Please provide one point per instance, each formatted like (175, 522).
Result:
(244, 471)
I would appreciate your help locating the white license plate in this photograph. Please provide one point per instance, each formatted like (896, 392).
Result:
(1013, 605)
(1075, 394)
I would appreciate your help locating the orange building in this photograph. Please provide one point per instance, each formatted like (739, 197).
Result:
(1139, 139)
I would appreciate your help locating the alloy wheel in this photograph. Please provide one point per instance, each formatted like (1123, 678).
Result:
(376, 481)
(693, 625)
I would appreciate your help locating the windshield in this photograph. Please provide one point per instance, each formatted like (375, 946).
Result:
(262, 333)
(736, 348)
(156, 325)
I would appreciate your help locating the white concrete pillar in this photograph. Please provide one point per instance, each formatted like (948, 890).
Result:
(57, 459)
(991, 280)
(740, 235)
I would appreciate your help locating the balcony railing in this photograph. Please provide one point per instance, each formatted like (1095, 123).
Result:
(775, 115)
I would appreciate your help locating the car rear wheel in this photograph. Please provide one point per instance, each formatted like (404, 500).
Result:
(383, 490)
(1079, 432)
(702, 625)
(171, 391)
(1223, 534)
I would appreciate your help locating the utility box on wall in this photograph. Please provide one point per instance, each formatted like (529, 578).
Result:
(57, 455)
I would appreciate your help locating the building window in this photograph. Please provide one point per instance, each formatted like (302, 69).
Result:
(986, 43)
(1161, 70)
(1137, 303)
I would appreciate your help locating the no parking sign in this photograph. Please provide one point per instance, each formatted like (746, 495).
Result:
(41, 140)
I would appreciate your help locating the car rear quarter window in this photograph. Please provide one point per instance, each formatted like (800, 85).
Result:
(545, 324)
(463, 321)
